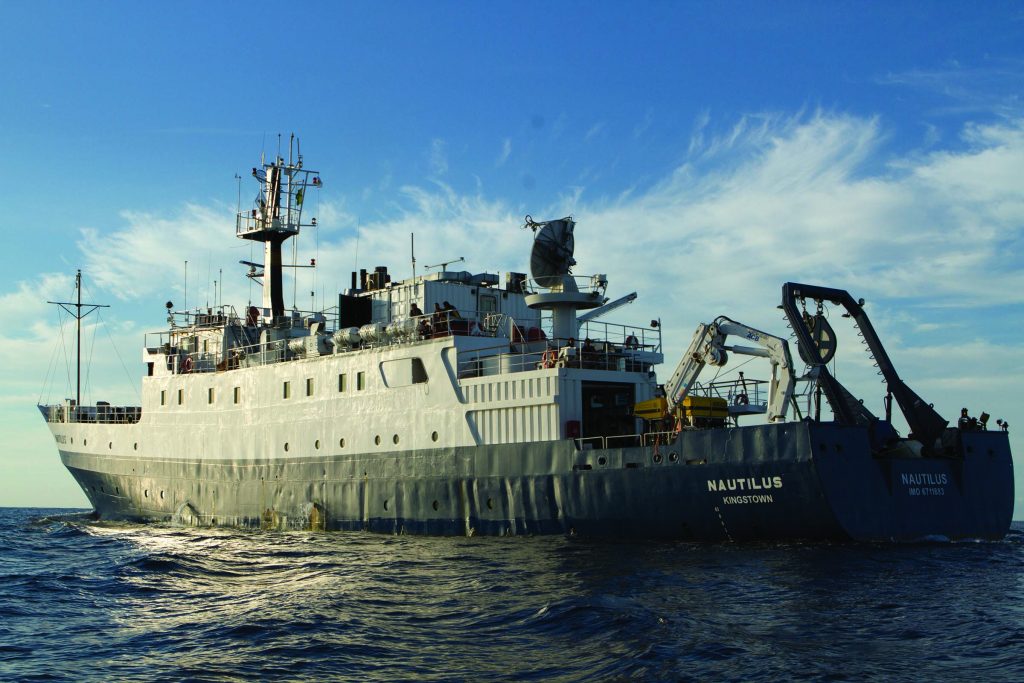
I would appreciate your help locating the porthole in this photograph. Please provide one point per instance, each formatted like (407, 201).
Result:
(316, 444)
(85, 442)
(146, 493)
(657, 458)
(602, 460)
(436, 505)
(433, 436)
(135, 446)
(285, 446)
(72, 440)
(376, 439)
(117, 490)
(672, 457)
(341, 443)
(490, 504)
(110, 445)
(385, 503)
(161, 495)
(395, 439)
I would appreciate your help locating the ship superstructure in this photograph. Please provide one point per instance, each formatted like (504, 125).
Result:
(457, 403)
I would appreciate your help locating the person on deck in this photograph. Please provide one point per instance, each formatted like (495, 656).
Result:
(440, 321)
(456, 324)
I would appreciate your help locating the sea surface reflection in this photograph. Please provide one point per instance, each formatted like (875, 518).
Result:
(95, 601)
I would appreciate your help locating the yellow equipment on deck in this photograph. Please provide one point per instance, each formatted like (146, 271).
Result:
(692, 409)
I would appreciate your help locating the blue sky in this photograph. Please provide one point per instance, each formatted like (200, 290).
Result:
(709, 152)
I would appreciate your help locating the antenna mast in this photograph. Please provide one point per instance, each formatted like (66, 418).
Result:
(78, 315)
(275, 217)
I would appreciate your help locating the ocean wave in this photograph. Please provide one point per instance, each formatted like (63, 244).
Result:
(89, 600)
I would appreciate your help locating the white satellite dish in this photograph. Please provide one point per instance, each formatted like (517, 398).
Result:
(551, 259)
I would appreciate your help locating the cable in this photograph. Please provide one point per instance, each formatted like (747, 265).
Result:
(131, 380)
(51, 368)
(92, 349)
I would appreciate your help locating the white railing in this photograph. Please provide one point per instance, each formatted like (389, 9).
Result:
(100, 413)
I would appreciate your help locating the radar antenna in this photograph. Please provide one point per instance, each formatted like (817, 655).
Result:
(443, 265)
(553, 245)
(551, 262)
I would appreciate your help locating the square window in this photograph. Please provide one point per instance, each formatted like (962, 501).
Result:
(209, 395)
(163, 398)
(361, 381)
(181, 396)
(287, 390)
(238, 395)
(309, 386)
(341, 382)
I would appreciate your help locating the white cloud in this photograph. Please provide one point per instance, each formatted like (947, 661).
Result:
(932, 239)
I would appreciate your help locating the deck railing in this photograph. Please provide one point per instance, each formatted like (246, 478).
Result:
(101, 413)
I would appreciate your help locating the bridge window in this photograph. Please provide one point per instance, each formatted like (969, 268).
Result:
(403, 372)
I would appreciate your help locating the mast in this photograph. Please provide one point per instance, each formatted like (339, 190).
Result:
(78, 315)
(275, 217)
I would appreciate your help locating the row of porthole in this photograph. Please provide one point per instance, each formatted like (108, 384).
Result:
(341, 442)
(117, 491)
(110, 444)
(316, 444)
(436, 505)
(672, 457)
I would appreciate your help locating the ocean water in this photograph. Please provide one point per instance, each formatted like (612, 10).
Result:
(88, 601)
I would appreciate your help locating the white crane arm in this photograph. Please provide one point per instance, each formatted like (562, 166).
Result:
(708, 348)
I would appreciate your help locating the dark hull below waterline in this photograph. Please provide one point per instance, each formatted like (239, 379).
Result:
(771, 482)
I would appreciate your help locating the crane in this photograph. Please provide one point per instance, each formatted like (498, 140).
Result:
(708, 347)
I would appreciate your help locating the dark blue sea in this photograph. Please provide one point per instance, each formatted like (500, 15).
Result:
(86, 601)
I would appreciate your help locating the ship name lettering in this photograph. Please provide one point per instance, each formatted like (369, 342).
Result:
(745, 484)
(924, 479)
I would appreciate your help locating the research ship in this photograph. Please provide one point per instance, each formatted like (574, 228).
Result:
(458, 403)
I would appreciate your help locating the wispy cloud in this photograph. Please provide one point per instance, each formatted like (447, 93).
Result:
(594, 131)
(506, 151)
(438, 157)
(994, 87)
(697, 136)
(641, 128)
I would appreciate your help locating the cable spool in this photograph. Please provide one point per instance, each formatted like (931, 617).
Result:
(824, 338)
